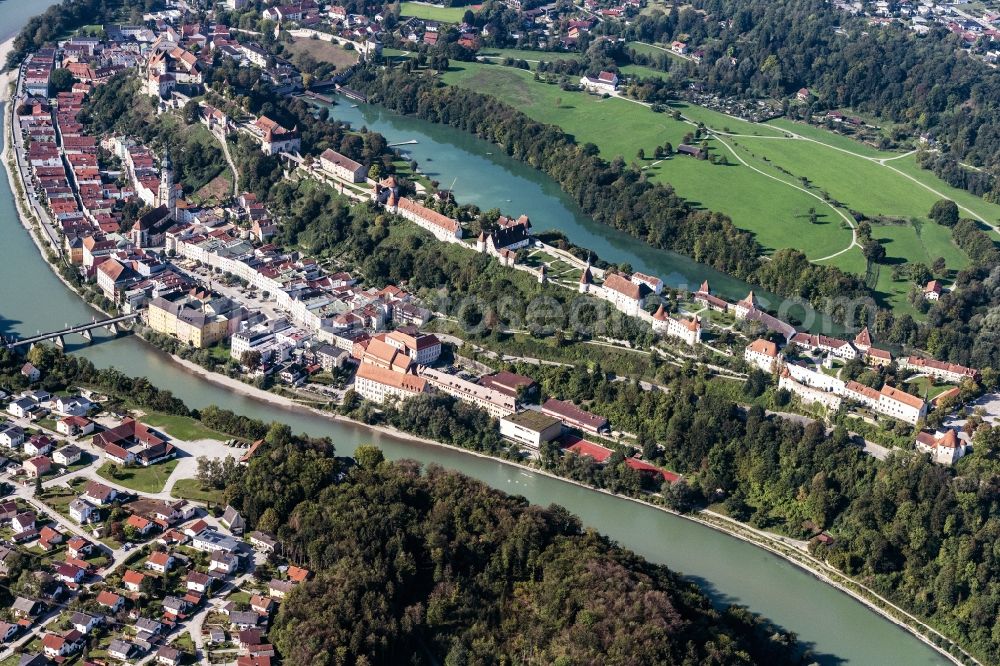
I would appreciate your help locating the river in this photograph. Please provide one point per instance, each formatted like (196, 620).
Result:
(838, 628)
(482, 174)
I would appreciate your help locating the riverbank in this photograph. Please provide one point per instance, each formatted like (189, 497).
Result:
(779, 546)
(270, 399)
(7, 76)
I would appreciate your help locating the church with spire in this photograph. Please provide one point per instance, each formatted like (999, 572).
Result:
(150, 229)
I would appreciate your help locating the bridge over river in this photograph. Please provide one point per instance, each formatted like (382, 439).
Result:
(112, 324)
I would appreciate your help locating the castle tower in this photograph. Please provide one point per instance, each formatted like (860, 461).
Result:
(542, 277)
(481, 242)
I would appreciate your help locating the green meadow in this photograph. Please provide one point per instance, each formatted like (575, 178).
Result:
(765, 195)
(432, 12)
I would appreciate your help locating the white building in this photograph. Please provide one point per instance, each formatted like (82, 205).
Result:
(530, 428)
(605, 82)
(761, 353)
(944, 447)
(496, 404)
(379, 384)
(688, 330)
(422, 348)
(342, 167)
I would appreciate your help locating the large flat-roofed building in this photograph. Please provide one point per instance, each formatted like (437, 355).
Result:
(530, 428)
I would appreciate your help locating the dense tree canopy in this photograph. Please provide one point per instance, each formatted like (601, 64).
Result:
(430, 566)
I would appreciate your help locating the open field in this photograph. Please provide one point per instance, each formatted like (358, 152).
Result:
(532, 57)
(767, 195)
(654, 51)
(141, 479)
(773, 211)
(181, 427)
(321, 51)
(830, 138)
(432, 12)
(191, 489)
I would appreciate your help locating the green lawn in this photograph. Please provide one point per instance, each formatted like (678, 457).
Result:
(830, 138)
(182, 427)
(766, 195)
(533, 57)
(432, 12)
(141, 479)
(650, 50)
(191, 489)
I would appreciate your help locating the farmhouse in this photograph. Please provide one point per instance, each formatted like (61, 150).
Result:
(605, 82)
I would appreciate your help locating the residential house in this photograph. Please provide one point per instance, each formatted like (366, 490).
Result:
(37, 466)
(98, 493)
(160, 562)
(141, 525)
(73, 426)
(198, 582)
(233, 521)
(121, 650)
(278, 589)
(11, 436)
(67, 455)
(132, 580)
(82, 511)
(113, 602)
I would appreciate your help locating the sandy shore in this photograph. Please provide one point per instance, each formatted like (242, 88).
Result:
(6, 77)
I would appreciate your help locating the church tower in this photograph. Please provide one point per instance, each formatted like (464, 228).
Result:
(167, 195)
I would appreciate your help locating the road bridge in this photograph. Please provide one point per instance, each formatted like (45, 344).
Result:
(111, 323)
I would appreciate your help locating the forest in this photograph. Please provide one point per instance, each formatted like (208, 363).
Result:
(426, 566)
(612, 192)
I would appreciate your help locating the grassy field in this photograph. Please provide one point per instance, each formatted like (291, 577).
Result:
(772, 210)
(432, 12)
(322, 51)
(764, 196)
(191, 489)
(532, 57)
(181, 427)
(141, 479)
(650, 50)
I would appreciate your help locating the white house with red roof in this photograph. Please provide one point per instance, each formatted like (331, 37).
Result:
(605, 82)
(945, 448)
(761, 353)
